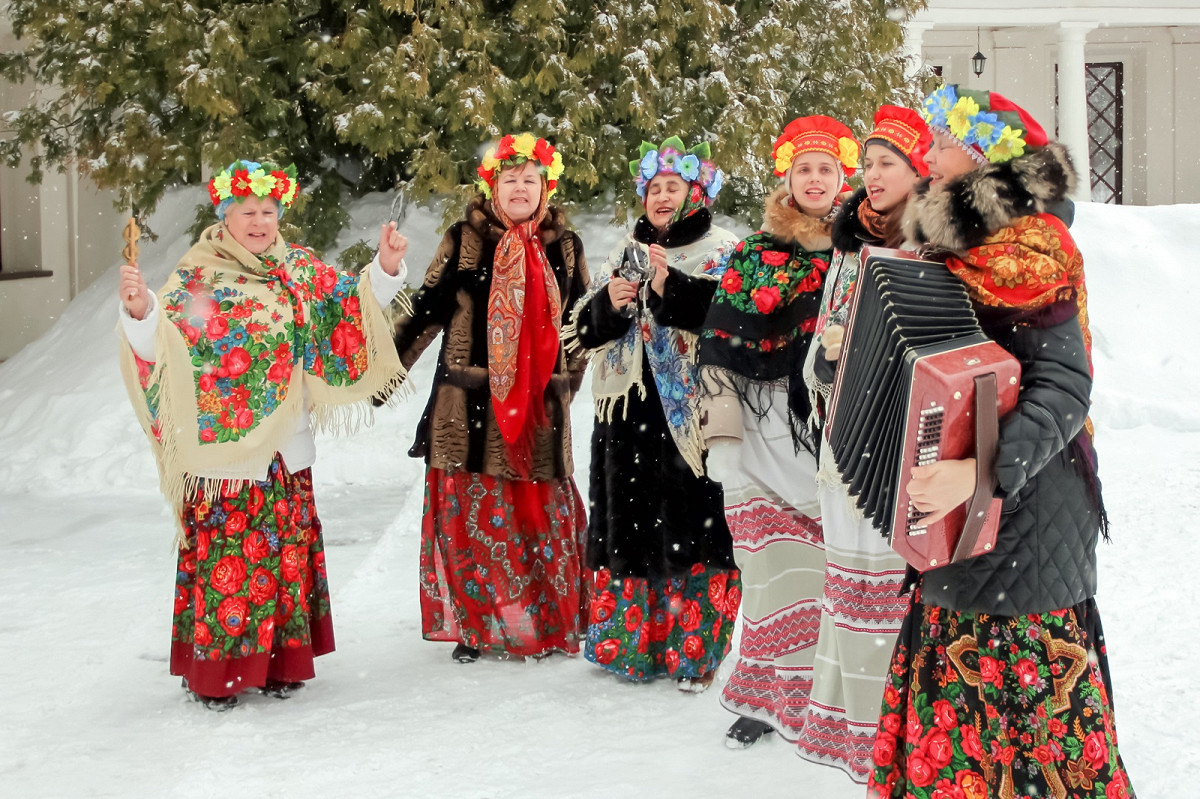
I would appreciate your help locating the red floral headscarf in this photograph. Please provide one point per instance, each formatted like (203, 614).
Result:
(523, 325)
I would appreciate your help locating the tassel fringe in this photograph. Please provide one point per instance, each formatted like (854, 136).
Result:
(385, 379)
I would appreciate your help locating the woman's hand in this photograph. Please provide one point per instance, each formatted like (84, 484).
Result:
(658, 262)
(941, 487)
(392, 247)
(135, 296)
(831, 340)
(621, 292)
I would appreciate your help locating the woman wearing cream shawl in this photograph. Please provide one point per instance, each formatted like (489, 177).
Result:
(250, 341)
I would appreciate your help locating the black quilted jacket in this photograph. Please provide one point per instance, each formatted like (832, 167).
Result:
(1045, 555)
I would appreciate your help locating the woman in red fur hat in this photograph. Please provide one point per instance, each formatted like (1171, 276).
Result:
(761, 447)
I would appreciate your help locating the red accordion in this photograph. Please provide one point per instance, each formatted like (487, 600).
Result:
(917, 382)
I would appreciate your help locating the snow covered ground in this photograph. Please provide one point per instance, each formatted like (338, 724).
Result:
(86, 582)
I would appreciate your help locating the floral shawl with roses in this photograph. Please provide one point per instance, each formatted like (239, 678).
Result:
(240, 340)
(764, 312)
(617, 366)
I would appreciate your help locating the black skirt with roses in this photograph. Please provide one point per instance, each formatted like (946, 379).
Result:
(992, 706)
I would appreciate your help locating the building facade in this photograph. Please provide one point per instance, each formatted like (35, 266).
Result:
(56, 237)
(1115, 80)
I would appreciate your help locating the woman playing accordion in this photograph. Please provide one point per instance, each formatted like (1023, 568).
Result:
(999, 681)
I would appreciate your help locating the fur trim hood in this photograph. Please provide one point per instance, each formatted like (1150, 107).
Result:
(480, 218)
(961, 213)
(786, 222)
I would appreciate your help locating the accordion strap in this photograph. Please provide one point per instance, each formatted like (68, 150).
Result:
(987, 436)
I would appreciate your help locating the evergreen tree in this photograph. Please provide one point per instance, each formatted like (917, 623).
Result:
(362, 95)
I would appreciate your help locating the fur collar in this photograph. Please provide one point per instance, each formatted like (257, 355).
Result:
(961, 213)
(679, 234)
(482, 220)
(789, 223)
(847, 232)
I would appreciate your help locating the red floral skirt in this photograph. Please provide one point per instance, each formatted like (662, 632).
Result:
(980, 706)
(500, 565)
(251, 593)
(677, 627)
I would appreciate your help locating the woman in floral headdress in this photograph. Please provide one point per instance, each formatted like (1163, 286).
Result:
(503, 523)
(999, 681)
(861, 607)
(666, 591)
(250, 339)
(756, 427)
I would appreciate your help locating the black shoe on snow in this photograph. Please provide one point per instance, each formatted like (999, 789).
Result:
(746, 732)
(215, 703)
(218, 704)
(464, 654)
(280, 689)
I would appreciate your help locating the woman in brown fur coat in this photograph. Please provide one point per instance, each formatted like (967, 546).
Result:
(503, 523)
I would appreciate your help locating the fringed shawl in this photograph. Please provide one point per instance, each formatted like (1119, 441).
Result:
(524, 317)
(617, 365)
(764, 311)
(240, 340)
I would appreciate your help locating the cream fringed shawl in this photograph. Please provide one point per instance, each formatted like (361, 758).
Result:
(617, 365)
(239, 339)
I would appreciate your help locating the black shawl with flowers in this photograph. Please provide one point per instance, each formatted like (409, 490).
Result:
(765, 310)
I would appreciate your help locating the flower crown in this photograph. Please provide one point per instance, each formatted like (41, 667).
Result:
(514, 151)
(243, 178)
(671, 156)
(999, 135)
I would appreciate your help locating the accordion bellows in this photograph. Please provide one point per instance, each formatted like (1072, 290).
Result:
(917, 382)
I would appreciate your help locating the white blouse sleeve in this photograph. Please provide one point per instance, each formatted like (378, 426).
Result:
(385, 286)
(140, 332)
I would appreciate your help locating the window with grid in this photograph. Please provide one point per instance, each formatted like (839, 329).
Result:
(1106, 123)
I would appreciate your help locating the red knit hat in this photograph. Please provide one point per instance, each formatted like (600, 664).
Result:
(815, 134)
(904, 131)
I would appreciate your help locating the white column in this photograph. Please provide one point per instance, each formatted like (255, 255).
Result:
(991, 67)
(1157, 153)
(1072, 99)
(73, 229)
(1186, 59)
(55, 224)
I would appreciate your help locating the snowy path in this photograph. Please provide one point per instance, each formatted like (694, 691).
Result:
(86, 585)
(89, 710)
(388, 715)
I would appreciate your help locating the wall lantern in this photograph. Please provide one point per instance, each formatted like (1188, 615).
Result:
(979, 59)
